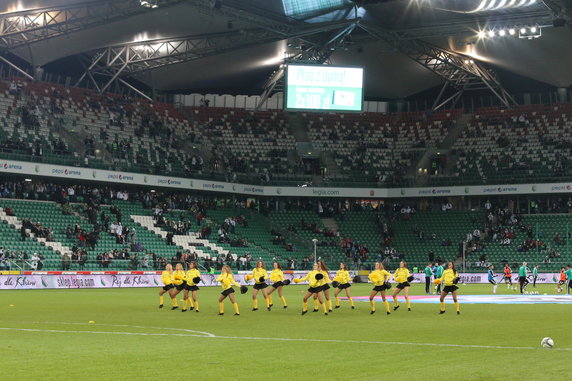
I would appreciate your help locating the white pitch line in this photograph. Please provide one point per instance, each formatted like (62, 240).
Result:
(102, 332)
(206, 334)
(385, 342)
(212, 336)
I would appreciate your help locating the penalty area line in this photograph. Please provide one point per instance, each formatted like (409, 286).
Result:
(211, 336)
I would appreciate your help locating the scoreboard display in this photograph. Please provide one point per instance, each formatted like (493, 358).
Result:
(323, 88)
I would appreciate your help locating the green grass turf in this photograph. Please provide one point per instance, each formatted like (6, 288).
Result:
(175, 354)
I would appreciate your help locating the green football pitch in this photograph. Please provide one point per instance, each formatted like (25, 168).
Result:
(47, 335)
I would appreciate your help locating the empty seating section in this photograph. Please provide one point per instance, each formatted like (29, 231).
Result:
(28, 129)
(362, 227)
(455, 225)
(12, 240)
(49, 215)
(247, 141)
(526, 144)
(129, 135)
(257, 235)
(377, 142)
(308, 226)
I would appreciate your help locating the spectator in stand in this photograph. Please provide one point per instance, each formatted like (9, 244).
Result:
(66, 262)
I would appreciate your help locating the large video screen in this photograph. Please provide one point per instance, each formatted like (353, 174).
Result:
(323, 88)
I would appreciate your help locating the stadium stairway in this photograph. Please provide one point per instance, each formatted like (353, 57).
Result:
(57, 247)
(190, 242)
(455, 131)
(330, 224)
(297, 127)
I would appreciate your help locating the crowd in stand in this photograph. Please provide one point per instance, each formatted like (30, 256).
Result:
(21, 258)
(498, 226)
(36, 229)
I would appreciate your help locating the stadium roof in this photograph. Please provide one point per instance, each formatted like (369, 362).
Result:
(232, 46)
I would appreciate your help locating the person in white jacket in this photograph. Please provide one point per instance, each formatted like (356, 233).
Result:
(34, 261)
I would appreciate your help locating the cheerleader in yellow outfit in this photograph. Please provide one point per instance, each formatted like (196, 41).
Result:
(380, 278)
(226, 281)
(278, 281)
(179, 282)
(259, 274)
(402, 277)
(167, 279)
(192, 278)
(449, 279)
(342, 282)
(316, 279)
(325, 287)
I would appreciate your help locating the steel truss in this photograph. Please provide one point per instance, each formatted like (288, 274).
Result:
(317, 53)
(132, 58)
(461, 72)
(29, 26)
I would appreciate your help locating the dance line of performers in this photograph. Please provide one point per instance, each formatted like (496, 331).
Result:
(318, 279)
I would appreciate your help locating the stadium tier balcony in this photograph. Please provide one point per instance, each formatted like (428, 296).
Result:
(50, 123)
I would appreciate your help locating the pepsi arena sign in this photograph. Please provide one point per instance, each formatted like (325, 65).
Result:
(213, 186)
(500, 189)
(169, 181)
(11, 166)
(435, 191)
(561, 188)
(120, 177)
(253, 190)
(66, 172)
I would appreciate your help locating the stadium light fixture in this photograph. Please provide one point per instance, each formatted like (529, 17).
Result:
(524, 32)
(530, 32)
